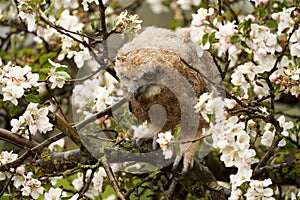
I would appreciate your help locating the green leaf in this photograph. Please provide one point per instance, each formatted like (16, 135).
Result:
(32, 98)
(61, 69)
(174, 24)
(44, 58)
(14, 111)
(243, 44)
(212, 37)
(261, 12)
(205, 38)
(234, 39)
(245, 25)
(271, 24)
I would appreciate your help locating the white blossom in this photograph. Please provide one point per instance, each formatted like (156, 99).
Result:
(268, 135)
(127, 22)
(164, 138)
(30, 19)
(53, 194)
(260, 190)
(102, 98)
(284, 19)
(14, 80)
(224, 35)
(243, 175)
(141, 131)
(34, 118)
(19, 177)
(202, 16)
(282, 143)
(98, 178)
(32, 187)
(5, 158)
(57, 78)
(285, 125)
(81, 56)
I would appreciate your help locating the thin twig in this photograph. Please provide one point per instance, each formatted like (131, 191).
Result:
(128, 193)
(278, 166)
(112, 179)
(88, 182)
(172, 187)
(102, 9)
(107, 111)
(282, 53)
(82, 79)
(192, 141)
(7, 184)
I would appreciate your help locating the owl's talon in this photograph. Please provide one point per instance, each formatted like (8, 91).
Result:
(154, 143)
(188, 163)
(177, 162)
(138, 141)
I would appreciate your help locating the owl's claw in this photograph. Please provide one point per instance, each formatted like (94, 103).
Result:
(188, 162)
(177, 162)
(154, 143)
(138, 141)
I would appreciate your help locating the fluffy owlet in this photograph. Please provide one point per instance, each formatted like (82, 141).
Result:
(159, 73)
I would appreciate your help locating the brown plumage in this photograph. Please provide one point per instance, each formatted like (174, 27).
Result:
(156, 68)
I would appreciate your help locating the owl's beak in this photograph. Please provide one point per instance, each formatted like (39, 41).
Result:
(139, 92)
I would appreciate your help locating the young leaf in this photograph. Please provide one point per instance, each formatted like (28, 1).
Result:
(271, 24)
(14, 110)
(32, 98)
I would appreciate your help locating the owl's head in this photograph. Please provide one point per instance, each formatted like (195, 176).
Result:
(144, 72)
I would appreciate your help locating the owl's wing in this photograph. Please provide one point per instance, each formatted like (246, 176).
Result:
(201, 61)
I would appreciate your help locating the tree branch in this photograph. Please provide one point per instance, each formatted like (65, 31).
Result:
(16, 139)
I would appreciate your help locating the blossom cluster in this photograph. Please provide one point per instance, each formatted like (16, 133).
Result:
(245, 77)
(263, 42)
(288, 80)
(70, 48)
(127, 22)
(29, 185)
(15, 81)
(33, 120)
(6, 157)
(97, 181)
(58, 75)
(67, 22)
(145, 130)
(230, 137)
(95, 94)
(32, 187)
(163, 140)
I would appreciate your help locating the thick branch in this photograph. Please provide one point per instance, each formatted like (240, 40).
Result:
(16, 139)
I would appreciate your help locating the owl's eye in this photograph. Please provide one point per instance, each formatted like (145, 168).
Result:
(149, 76)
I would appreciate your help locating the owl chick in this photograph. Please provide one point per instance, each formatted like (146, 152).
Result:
(159, 73)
